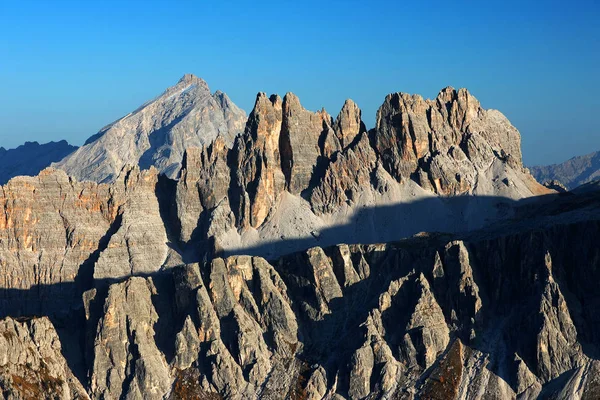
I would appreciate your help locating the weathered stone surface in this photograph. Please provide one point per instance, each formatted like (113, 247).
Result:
(298, 174)
(31, 363)
(49, 228)
(293, 165)
(201, 190)
(259, 179)
(139, 246)
(504, 311)
(127, 362)
(345, 177)
(450, 143)
(509, 310)
(299, 142)
(348, 124)
(157, 133)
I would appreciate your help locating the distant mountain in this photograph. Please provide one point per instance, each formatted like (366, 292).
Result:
(157, 133)
(571, 173)
(30, 158)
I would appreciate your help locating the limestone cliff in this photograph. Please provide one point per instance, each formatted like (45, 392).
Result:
(295, 174)
(506, 312)
(287, 266)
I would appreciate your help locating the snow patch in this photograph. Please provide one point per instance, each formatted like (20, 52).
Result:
(182, 91)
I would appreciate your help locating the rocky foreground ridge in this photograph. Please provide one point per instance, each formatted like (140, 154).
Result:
(506, 312)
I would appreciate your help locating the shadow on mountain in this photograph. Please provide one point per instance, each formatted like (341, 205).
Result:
(63, 304)
(388, 223)
(159, 143)
(510, 269)
(31, 158)
(506, 295)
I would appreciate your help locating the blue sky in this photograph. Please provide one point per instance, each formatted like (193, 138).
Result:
(67, 68)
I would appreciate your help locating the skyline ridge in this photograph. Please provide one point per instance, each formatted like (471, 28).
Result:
(69, 67)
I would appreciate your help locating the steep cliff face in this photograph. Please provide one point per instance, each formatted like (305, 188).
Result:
(57, 235)
(295, 174)
(293, 180)
(146, 279)
(500, 313)
(451, 144)
(157, 133)
(32, 365)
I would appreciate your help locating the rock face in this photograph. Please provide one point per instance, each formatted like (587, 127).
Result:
(150, 293)
(30, 158)
(449, 144)
(57, 235)
(509, 311)
(157, 133)
(293, 180)
(127, 362)
(31, 363)
(571, 173)
(295, 174)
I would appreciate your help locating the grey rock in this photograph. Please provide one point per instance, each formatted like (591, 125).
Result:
(139, 246)
(157, 133)
(556, 185)
(508, 312)
(299, 142)
(259, 179)
(127, 362)
(298, 174)
(451, 142)
(348, 124)
(31, 362)
(158, 311)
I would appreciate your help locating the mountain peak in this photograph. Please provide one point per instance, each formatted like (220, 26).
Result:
(188, 81)
(190, 78)
(170, 120)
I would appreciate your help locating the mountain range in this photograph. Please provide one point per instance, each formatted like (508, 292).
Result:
(571, 173)
(179, 254)
(30, 158)
(157, 133)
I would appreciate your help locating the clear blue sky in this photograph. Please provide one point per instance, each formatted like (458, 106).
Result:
(67, 68)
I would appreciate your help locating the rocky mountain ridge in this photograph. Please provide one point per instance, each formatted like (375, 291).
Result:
(31, 158)
(571, 173)
(288, 176)
(157, 133)
(287, 184)
(232, 280)
(489, 314)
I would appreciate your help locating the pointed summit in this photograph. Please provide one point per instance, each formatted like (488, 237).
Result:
(190, 78)
(158, 132)
(186, 83)
(348, 124)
